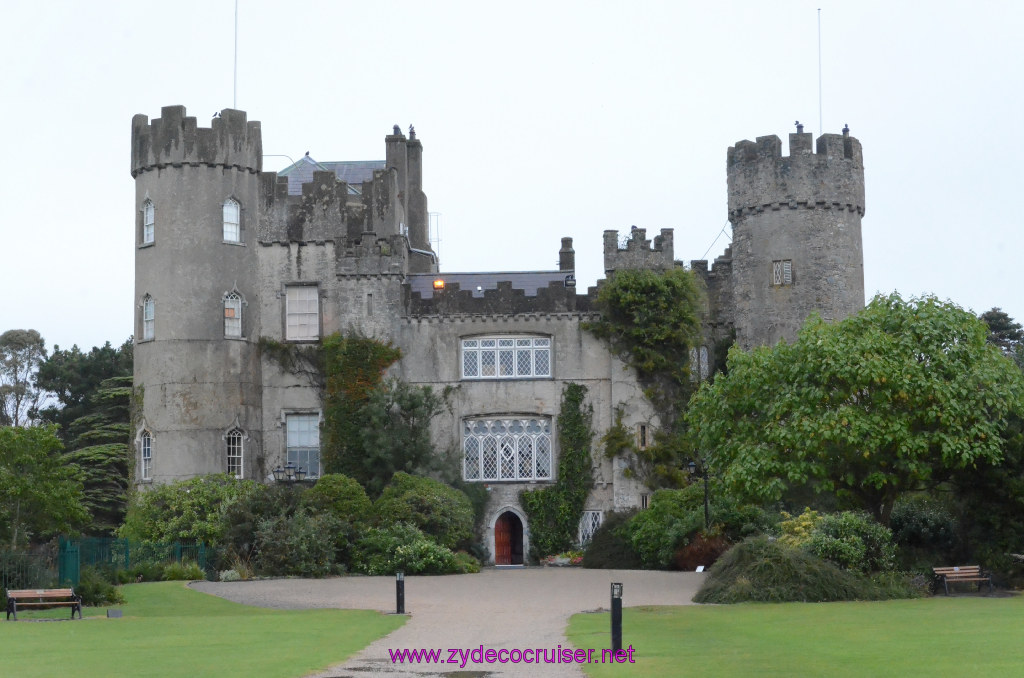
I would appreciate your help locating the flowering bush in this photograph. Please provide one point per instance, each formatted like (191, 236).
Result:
(573, 558)
(402, 548)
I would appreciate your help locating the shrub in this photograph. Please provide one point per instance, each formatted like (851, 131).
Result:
(797, 531)
(302, 544)
(342, 496)
(466, 563)
(926, 533)
(96, 588)
(761, 569)
(229, 575)
(441, 512)
(401, 547)
(143, 571)
(853, 541)
(243, 516)
(673, 516)
(184, 571)
(610, 548)
(187, 510)
(702, 549)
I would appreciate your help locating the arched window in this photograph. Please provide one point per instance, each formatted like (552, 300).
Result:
(232, 221)
(148, 222)
(146, 445)
(234, 450)
(233, 315)
(148, 318)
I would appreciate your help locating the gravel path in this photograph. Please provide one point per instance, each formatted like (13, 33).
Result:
(498, 608)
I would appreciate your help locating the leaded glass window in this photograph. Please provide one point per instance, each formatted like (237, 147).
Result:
(506, 358)
(148, 318)
(507, 449)
(589, 522)
(782, 272)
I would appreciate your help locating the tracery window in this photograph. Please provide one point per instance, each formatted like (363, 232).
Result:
(507, 449)
(232, 221)
(233, 315)
(234, 451)
(146, 445)
(148, 222)
(506, 357)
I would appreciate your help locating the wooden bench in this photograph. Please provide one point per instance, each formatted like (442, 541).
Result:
(952, 575)
(43, 598)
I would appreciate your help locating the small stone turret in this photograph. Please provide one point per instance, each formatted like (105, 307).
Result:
(796, 233)
(174, 139)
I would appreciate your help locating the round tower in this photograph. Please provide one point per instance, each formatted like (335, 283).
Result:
(796, 233)
(196, 295)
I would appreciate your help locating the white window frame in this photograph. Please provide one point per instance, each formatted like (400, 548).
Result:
(590, 521)
(782, 272)
(148, 318)
(496, 449)
(146, 455)
(302, 322)
(234, 443)
(232, 222)
(148, 222)
(303, 450)
(700, 363)
(506, 356)
(233, 315)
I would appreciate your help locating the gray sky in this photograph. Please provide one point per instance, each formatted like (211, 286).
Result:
(539, 120)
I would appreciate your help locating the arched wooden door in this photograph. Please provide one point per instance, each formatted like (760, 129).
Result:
(508, 539)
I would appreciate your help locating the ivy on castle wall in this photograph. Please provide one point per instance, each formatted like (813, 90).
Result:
(651, 320)
(555, 511)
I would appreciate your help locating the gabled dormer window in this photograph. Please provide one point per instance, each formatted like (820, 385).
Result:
(232, 221)
(148, 222)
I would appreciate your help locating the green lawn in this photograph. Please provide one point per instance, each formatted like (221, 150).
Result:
(169, 630)
(933, 637)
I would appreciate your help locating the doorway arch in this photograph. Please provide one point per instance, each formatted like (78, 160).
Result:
(508, 539)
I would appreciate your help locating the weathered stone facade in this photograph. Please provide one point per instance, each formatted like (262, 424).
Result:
(227, 254)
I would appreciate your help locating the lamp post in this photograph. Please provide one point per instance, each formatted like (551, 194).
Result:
(692, 466)
(616, 617)
(289, 473)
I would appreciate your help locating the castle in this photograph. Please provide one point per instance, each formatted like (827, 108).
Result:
(227, 254)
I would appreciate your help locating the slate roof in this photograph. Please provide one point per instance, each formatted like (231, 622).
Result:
(528, 281)
(354, 172)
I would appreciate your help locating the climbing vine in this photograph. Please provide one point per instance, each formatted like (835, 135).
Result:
(652, 320)
(555, 511)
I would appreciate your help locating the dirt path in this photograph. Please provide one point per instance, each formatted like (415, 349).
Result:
(498, 608)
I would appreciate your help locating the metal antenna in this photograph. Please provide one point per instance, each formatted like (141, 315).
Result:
(234, 99)
(821, 124)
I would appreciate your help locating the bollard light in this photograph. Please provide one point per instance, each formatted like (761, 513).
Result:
(616, 616)
(399, 592)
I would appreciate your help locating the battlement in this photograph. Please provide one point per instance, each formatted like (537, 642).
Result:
(504, 300)
(175, 139)
(831, 176)
(638, 251)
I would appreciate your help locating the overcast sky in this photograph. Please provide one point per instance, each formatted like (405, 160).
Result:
(538, 120)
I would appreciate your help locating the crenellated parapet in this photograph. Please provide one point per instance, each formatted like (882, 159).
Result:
(174, 140)
(638, 251)
(504, 300)
(761, 178)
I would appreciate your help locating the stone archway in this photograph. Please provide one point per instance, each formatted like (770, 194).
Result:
(508, 539)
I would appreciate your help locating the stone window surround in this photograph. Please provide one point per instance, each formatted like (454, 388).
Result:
(541, 442)
(285, 314)
(236, 225)
(300, 412)
(472, 352)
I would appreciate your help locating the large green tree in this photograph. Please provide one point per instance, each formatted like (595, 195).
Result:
(1005, 333)
(896, 398)
(40, 495)
(21, 352)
